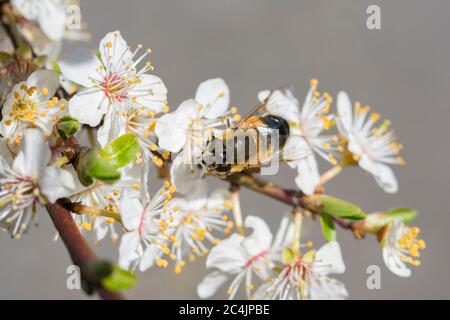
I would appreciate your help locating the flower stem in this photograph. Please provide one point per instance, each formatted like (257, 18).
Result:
(237, 213)
(79, 208)
(330, 174)
(62, 161)
(298, 221)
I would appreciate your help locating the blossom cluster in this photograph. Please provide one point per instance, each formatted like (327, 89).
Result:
(111, 92)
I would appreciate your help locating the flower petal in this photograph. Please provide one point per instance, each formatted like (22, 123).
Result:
(113, 126)
(150, 93)
(171, 131)
(382, 173)
(149, 257)
(284, 233)
(114, 50)
(283, 103)
(128, 247)
(184, 176)
(34, 154)
(56, 183)
(308, 176)
(328, 259)
(211, 283)
(229, 255)
(345, 118)
(89, 106)
(78, 66)
(44, 79)
(53, 22)
(394, 263)
(214, 95)
(131, 211)
(260, 239)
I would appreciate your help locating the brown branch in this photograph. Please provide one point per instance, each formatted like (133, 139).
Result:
(79, 250)
(290, 197)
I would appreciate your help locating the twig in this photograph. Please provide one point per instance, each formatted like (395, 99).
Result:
(80, 208)
(237, 214)
(298, 220)
(290, 197)
(79, 250)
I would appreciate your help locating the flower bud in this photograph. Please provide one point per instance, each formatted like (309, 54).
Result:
(91, 165)
(334, 207)
(67, 127)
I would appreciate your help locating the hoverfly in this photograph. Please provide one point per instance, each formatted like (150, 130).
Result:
(257, 140)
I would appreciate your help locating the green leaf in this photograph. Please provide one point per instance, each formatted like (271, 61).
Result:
(288, 255)
(67, 127)
(100, 269)
(24, 52)
(4, 57)
(92, 166)
(341, 208)
(56, 67)
(326, 222)
(121, 151)
(87, 287)
(119, 280)
(404, 214)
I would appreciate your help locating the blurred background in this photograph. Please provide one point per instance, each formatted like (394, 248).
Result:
(402, 71)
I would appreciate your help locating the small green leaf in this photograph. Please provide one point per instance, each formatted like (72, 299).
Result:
(288, 255)
(56, 67)
(92, 166)
(99, 270)
(24, 52)
(87, 287)
(326, 222)
(4, 57)
(67, 127)
(340, 208)
(121, 151)
(119, 280)
(404, 214)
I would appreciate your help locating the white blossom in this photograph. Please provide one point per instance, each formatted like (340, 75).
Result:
(189, 127)
(199, 217)
(310, 122)
(148, 224)
(241, 257)
(401, 247)
(31, 104)
(373, 147)
(28, 183)
(112, 78)
(307, 277)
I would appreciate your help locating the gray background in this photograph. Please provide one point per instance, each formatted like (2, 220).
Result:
(401, 70)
